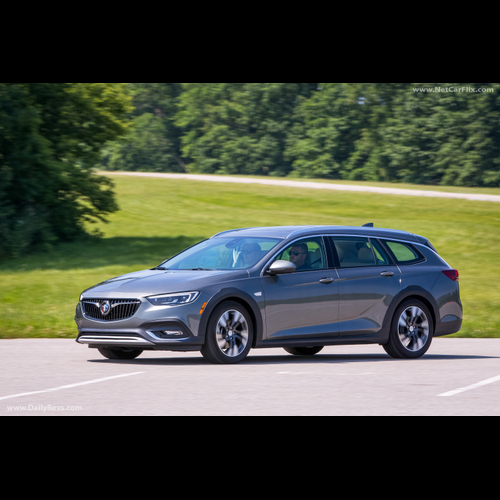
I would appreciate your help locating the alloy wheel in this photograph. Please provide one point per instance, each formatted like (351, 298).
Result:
(232, 333)
(413, 328)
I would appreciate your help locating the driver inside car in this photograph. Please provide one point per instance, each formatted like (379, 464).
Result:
(298, 255)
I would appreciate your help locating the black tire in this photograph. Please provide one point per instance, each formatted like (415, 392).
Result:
(229, 334)
(111, 353)
(412, 329)
(303, 351)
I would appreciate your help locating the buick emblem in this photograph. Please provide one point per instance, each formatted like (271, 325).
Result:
(105, 307)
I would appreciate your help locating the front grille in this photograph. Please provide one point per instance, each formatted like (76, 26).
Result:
(118, 308)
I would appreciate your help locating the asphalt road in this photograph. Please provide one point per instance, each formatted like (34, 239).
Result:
(61, 377)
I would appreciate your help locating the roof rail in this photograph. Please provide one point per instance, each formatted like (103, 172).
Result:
(230, 231)
(299, 231)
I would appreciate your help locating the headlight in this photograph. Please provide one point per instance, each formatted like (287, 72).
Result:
(173, 299)
(81, 297)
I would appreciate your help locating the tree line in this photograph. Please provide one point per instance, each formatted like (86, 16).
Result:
(54, 136)
(424, 133)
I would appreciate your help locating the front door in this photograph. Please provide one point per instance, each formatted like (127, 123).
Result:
(303, 304)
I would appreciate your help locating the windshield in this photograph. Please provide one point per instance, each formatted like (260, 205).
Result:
(222, 253)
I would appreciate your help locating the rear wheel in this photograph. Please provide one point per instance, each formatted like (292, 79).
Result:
(303, 351)
(124, 353)
(229, 334)
(412, 329)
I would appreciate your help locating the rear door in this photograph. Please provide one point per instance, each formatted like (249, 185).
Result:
(368, 282)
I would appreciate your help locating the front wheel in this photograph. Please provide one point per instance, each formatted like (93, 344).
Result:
(412, 329)
(229, 334)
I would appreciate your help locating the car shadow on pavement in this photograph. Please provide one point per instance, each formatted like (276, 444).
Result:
(286, 359)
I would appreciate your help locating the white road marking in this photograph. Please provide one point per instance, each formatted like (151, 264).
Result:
(95, 381)
(469, 387)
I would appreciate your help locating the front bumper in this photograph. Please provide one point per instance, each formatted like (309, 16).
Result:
(150, 328)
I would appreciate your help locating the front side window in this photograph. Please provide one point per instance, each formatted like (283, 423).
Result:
(222, 253)
(307, 254)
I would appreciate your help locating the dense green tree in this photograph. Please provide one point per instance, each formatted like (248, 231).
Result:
(239, 128)
(51, 137)
(154, 141)
(326, 130)
(432, 133)
(391, 132)
(148, 148)
(447, 137)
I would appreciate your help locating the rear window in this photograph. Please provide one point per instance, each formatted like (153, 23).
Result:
(404, 253)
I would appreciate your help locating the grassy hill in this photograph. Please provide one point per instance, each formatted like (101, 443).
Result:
(160, 217)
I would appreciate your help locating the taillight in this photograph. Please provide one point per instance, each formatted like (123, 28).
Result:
(451, 273)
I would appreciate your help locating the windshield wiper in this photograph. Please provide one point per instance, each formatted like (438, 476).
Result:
(199, 269)
(159, 268)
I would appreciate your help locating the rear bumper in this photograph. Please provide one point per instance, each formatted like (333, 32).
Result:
(448, 327)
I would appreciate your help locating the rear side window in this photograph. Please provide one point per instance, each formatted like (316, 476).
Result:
(404, 253)
(380, 256)
(354, 251)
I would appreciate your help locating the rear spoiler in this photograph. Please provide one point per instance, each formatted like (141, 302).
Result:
(425, 242)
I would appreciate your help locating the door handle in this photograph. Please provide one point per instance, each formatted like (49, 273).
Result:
(326, 280)
(387, 274)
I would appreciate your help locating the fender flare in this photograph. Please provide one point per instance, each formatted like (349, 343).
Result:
(239, 296)
(410, 291)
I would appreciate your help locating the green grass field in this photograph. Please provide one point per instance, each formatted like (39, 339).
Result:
(159, 217)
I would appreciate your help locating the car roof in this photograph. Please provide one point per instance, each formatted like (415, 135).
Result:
(286, 232)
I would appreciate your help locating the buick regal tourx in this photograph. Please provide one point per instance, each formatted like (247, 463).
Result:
(296, 287)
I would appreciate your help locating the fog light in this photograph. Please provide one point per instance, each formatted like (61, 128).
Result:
(173, 332)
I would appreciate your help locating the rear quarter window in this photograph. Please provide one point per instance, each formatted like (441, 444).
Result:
(404, 253)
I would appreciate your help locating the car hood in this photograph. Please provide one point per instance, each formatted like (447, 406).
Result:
(148, 282)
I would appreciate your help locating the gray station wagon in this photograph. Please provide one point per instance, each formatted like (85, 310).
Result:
(296, 287)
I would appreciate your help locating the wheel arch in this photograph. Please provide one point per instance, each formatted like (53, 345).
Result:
(427, 303)
(411, 292)
(423, 296)
(242, 298)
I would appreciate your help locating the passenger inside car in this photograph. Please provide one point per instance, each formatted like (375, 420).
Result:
(251, 253)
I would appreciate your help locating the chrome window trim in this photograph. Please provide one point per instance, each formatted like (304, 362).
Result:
(349, 235)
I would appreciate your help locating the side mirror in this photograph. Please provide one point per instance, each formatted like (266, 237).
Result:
(281, 267)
